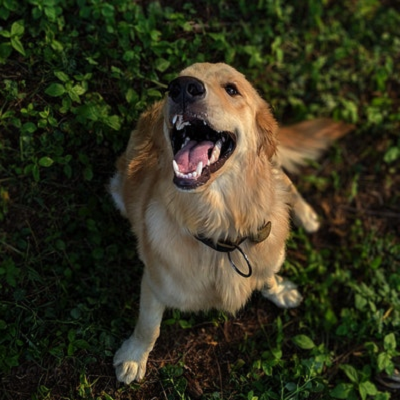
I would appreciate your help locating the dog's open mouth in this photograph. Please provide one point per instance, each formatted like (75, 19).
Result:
(199, 151)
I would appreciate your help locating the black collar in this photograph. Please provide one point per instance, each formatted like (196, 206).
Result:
(222, 246)
(227, 246)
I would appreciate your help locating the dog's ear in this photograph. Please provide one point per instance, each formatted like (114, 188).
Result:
(267, 130)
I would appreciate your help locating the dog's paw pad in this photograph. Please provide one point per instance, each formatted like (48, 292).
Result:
(285, 295)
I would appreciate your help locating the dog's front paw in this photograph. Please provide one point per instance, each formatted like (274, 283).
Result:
(130, 362)
(129, 371)
(284, 294)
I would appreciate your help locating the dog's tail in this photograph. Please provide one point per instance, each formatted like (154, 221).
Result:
(307, 140)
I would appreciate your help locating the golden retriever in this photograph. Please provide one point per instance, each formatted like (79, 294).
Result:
(202, 184)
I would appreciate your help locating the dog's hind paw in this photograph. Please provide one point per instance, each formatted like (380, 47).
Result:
(284, 293)
(306, 217)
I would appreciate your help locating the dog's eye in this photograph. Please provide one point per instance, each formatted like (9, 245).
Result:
(231, 89)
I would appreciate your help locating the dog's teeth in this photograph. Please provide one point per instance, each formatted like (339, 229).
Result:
(176, 167)
(199, 168)
(216, 152)
(180, 124)
(190, 175)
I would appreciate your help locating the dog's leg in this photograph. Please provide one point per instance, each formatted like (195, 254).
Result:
(130, 360)
(282, 292)
(302, 213)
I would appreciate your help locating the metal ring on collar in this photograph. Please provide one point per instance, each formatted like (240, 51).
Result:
(250, 271)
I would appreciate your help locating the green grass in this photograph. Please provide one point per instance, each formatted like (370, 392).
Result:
(74, 76)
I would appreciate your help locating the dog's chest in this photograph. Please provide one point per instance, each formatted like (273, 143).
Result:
(187, 274)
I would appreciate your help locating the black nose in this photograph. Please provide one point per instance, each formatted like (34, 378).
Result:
(186, 89)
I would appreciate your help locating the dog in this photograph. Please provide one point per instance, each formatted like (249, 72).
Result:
(203, 184)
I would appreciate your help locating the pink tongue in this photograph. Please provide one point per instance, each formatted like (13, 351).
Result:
(189, 156)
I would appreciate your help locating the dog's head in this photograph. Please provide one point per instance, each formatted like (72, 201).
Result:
(212, 116)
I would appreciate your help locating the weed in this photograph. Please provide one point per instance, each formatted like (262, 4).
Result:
(74, 76)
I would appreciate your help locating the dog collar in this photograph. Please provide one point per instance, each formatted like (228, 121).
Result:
(228, 246)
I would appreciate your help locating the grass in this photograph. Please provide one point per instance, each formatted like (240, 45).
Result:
(74, 76)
